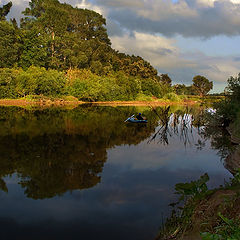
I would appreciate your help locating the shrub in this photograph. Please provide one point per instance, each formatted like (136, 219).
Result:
(39, 81)
(142, 97)
(8, 82)
(172, 97)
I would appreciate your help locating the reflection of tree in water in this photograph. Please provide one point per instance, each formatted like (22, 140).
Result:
(56, 150)
(181, 123)
(221, 141)
(52, 164)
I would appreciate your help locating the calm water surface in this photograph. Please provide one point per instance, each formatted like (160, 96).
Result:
(85, 174)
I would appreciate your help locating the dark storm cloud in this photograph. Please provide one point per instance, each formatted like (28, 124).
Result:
(187, 18)
(195, 18)
(114, 29)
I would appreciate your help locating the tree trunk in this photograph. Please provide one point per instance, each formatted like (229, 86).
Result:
(53, 37)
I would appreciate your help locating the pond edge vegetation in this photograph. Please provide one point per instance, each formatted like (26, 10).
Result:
(214, 214)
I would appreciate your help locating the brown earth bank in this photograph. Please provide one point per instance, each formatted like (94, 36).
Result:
(23, 102)
(205, 217)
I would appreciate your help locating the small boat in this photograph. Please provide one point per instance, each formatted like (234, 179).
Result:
(133, 120)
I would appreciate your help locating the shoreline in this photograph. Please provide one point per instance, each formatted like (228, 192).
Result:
(23, 102)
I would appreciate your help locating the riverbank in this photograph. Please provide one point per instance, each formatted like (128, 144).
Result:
(63, 102)
(208, 213)
(212, 215)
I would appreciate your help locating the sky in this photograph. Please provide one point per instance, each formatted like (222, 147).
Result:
(182, 38)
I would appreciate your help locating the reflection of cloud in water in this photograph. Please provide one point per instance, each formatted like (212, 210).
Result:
(173, 156)
(129, 199)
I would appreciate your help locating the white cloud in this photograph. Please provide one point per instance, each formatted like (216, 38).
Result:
(160, 51)
(164, 55)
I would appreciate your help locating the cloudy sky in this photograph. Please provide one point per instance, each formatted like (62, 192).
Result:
(183, 38)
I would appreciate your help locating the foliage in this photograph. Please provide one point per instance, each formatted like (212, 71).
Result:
(193, 189)
(228, 229)
(165, 79)
(86, 85)
(202, 85)
(198, 212)
(233, 88)
(9, 44)
(182, 89)
(54, 35)
(142, 97)
(172, 97)
(190, 194)
(34, 81)
(227, 110)
(8, 82)
(66, 31)
(33, 49)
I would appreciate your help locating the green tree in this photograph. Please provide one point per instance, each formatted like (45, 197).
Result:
(233, 88)
(179, 89)
(33, 49)
(9, 38)
(165, 79)
(66, 29)
(202, 85)
(9, 44)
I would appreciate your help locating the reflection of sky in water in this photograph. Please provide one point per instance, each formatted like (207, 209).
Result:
(137, 186)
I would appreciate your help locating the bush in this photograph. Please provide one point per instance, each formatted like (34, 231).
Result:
(172, 97)
(83, 84)
(8, 82)
(151, 88)
(142, 97)
(88, 86)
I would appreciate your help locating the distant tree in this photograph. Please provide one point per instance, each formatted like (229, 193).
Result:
(179, 89)
(190, 90)
(202, 85)
(165, 79)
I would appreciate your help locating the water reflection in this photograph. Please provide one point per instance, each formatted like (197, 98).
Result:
(221, 141)
(180, 123)
(55, 150)
(84, 169)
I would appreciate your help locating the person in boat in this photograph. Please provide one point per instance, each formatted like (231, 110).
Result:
(139, 117)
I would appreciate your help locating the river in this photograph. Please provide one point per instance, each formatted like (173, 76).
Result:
(84, 173)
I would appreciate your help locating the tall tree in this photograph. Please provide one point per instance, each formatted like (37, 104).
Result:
(165, 79)
(202, 85)
(66, 29)
(9, 44)
(33, 49)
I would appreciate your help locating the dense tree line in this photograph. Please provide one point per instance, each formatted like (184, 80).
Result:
(55, 40)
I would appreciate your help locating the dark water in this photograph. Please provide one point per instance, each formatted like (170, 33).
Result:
(85, 174)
